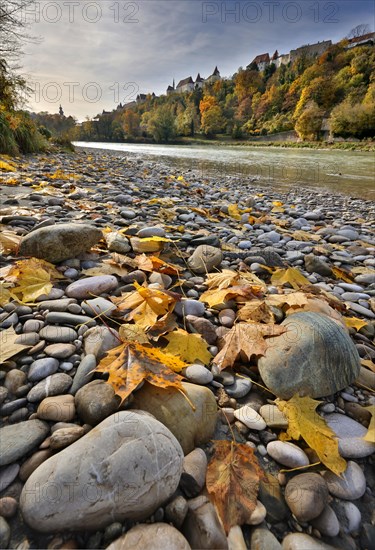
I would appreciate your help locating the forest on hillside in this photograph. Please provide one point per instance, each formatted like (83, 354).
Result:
(338, 87)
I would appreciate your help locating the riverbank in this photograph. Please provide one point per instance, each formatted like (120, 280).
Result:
(225, 269)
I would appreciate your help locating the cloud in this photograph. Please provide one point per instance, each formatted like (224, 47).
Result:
(116, 43)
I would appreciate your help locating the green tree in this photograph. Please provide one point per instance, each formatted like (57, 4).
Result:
(162, 124)
(309, 122)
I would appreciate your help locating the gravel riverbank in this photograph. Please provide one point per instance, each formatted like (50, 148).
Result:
(255, 296)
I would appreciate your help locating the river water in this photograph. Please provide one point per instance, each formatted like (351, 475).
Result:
(349, 172)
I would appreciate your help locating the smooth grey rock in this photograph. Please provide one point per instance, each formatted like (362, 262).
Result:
(41, 368)
(189, 307)
(204, 259)
(248, 416)
(95, 401)
(313, 343)
(160, 536)
(313, 264)
(91, 286)
(64, 318)
(124, 468)
(239, 388)
(202, 528)
(287, 454)
(8, 474)
(60, 351)
(58, 334)
(98, 340)
(55, 384)
(59, 408)
(15, 444)
(273, 417)
(350, 485)
(84, 373)
(327, 523)
(301, 541)
(60, 242)
(306, 496)
(194, 470)
(348, 515)
(98, 306)
(198, 374)
(117, 243)
(350, 434)
(151, 232)
(57, 305)
(4, 533)
(176, 510)
(263, 539)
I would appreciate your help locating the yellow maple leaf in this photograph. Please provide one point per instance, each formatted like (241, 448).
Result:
(5, 295)
(31, 285)
(189, 347)
(370, 435)
(146, 305)
(305, 423)
(223, 279)
(256, 311)
(6, 166)
(8, 347)
(355, 322)
(291, 299)
(215, 296)
(234, 211)
(156, 239)
(9, 241)
(290, 275)
(133, 333)
(342, 274)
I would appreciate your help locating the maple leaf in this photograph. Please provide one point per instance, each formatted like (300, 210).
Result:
(257, 311)
(5, 295)
(215, 296)
(355, 322)
(9, 241)
(342, 274)
(105, 269)
(228, 277)
(133, 333)
(131, 363)
(8, 347)
(31, 285)
(370, 435)
(290, 275)
(190, 347)
(305, 236)
(232, 482)
(147, 304)
(292, 299)
(245, 340)
(305, 422)
(234, 212)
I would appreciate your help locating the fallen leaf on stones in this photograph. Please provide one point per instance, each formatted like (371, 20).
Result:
(305, 236)
(8, 347)
(105, 269)
(32, 264)
(355, 322)
(232, 482)
(221, 280)
(342, 274)
(31, 285)
(147, 304)
(155, 239)
(368, 364)
(290, 275)
(234, 212)
(7, 166)
(362, 270)
(370, 435)
(61, 175)
(5, 295)
(131, 363)
(166, 268)
(165, 324)
(133, 333)
(189, 347)
(216, 296)
(245, 340)
(305, 422)
(256, 311)
(9, 241)
(292, 299)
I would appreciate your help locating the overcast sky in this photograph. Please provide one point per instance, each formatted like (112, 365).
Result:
(95, 54)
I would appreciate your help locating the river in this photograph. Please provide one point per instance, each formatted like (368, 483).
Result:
(339, 171)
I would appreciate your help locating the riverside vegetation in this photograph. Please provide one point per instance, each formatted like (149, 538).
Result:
(186, 362)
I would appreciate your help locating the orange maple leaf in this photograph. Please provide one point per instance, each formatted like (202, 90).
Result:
(232, 481)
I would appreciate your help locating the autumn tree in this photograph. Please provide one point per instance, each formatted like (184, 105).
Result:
(213, 121)
(131, 123)
(14, 27)
(309, 123)
(162, 124)
(359, 30)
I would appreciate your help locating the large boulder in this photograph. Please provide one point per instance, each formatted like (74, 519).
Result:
(60, 242)
(125, 468)
(191, 427)
(314, 357)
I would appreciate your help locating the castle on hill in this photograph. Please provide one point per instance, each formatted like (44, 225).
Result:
(188, 84)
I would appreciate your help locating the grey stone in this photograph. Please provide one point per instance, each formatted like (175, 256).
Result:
(287, 454)
(98, 306)
(204, 259)
(41, 368)
(348, 515)
(198, 374)
(263, 539)
(313, 264)
(117, 243)
(4, 533)
(60, 242)
(63, 318)
(306, 495)
(91, 286)
(151, 232)
(194, 470)
(239, 388)
(84, 373)
(204, 327)
(159, 536)
(202, 528)
(312, 343)
(58, 334)
(350, 435)
(175, 511)
(301, 541)
(15, 444)
(8, 474)
(98, 340)
(350, 485)
(124, 468)
(56, 305)
(189, 307)
(327, 523)
(55, 384)
(248, 416)
(60, 351)
(95, 401)
(273, 416)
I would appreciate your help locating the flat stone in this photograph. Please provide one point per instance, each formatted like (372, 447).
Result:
(202, 528)
(250, 418)
(124, 468)
(350, 435)
(327, 523)
(91, 286)
(239, 388)
(58, 334)
(350, 485)
(306, 495)
(263, 539)
(301, 541)
(59, 408)
(56, 305)
(8, 474)
(98, 340)
(4, 533)
(60, 242)
(55, 384)
(63, 318)
(33, 462)
(162, 535)
(312, 343)
(98, 306)
(313, 264)
(176, 510)
(151, 232)
(15, 444)
(204, 327)
(66, 436)
(117, 243)
(84, 373)
(193, 475)
(198, 374)
(95, 401)
(349, 516)
(189, 307)
(41, 368)
(273, 417)
(60, 351)
(287, 454)
(204, 259)
(191, 428)
(14, 379)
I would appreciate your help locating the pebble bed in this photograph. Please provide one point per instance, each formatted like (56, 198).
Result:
(57, 415)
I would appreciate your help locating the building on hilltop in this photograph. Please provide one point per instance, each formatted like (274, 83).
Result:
(261, 61)
(310, 50)
(199, 81)
(364, 40)
(185, 85)
(214, 77)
